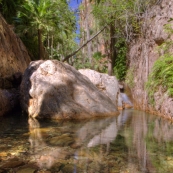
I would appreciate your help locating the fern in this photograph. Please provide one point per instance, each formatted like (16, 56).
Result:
(161, 75)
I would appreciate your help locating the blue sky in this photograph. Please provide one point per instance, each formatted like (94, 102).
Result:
(74, 4)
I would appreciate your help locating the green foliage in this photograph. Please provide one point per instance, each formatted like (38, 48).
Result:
(55, 21)
(99, 63)
(129, 79)
(31, 43)
(81, 63)
(53, 53)
(120, 67)
(124, 14)
(161, 75)
(9, 8)
(97, 55)
(136, 25)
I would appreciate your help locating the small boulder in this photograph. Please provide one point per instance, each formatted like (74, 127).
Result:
(107, 84)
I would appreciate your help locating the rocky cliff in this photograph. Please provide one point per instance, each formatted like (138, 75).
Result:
(14, 60)
(143, 53)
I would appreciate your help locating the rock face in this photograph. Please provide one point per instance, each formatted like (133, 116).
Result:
(9, 99)
(14, 60)
(106, 84)
(51, 89)
(142, 55)
(14, 56)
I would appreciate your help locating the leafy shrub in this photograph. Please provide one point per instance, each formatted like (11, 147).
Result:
(99, 62)
(161, 75)
(120, 67)
(129, 79)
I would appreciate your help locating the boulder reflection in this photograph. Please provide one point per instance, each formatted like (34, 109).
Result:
(132, 141)
(47, 148)
(43, 155)
(108, 134)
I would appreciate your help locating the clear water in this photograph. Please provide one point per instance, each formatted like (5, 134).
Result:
(133, 142)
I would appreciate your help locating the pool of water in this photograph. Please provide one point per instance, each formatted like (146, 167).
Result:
(133, 142)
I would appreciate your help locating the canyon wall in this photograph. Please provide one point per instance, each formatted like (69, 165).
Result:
(143, 52)
(14, 59)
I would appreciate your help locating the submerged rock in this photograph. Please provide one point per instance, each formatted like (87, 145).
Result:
(12, 164)
(71, 168)
(52, 89)
(26, 170)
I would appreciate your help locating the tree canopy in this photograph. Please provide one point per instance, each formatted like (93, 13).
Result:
(47, 27)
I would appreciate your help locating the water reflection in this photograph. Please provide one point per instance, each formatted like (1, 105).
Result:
(48, 148)
(132, 142)
(108, 134)
(41, 153)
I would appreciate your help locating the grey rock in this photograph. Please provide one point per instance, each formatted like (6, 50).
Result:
(105, 83)
(52, 89)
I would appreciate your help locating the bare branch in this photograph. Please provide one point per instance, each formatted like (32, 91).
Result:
(70, 55)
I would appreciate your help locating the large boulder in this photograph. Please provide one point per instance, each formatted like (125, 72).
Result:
(14, 60)
(52, 89)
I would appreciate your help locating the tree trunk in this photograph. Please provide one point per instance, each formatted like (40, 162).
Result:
(40, 45)
(48, 45)
(110, 66)
(52, 47)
